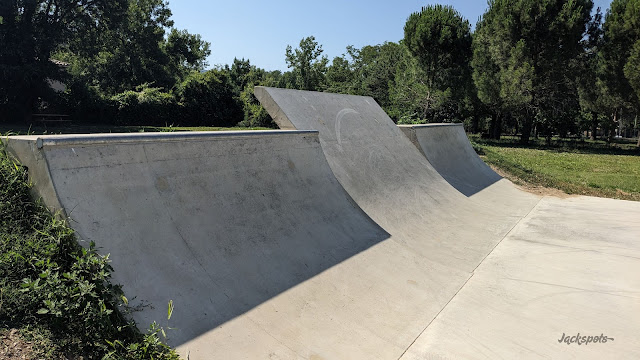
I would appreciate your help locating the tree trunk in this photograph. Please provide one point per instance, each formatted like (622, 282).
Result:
(475, 123)
(526, 131)
(613, 126)
(495, 128)
(594, 125)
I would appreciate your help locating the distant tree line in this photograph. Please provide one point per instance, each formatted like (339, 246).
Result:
(122, 62)
(531, 67)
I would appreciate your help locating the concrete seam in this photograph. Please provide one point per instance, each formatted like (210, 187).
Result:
(272, 336)
(469, 278)
(507, 234)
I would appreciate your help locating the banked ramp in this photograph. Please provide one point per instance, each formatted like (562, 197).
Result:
(336, 241)
(449, 151)
(220, 223)
(563, 268)
(256, 242)
(447, 148)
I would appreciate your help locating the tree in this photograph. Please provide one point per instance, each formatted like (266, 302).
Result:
(30, 31)
(308, 66)
(187, 52)
(136, 52)
(340, 76)
(589, 88)
(621, 33)
(209, 99)
(440, 39)
(533, 47)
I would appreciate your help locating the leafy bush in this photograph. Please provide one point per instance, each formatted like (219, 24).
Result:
(48, 281)
(254, 114)
(208, 99)
(146, 106)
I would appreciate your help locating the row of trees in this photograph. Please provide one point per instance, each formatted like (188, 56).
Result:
(530, 67)
(121, 61)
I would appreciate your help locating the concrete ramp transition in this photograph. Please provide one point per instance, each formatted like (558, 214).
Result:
(447, 148)
(537, 281)
(337, 238)
(217, 222)
(449, 151)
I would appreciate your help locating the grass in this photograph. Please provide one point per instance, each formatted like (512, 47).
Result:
(55, 295)
(574, 166)
(23, 129)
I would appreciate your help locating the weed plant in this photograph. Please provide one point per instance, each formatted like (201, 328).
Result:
(56, 292)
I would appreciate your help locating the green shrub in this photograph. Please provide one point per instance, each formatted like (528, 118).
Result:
(51, 283)
(208, 99)
(146, 106)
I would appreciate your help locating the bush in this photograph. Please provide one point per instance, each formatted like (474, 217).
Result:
(146, 106)
(51, 283)
(208, 99)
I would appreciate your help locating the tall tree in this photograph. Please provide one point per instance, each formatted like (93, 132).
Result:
(534, 45)
(589, 86)
(620, 59)
(307, 64)
(30, 31)
(440, 39)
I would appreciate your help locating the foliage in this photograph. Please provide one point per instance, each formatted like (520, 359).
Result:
(49, 282)
(307, 64)
(369, 71)
(440, 39)
(30, 32)
(208, 99)
(620, 54)
(526, 60)
(577, 167)
(146, 106)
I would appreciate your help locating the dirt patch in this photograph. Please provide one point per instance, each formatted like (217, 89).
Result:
(530, 188)
(13, 346)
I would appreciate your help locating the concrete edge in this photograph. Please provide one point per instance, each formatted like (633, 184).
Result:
(30, 151)
(429, 125)
(26, 153)
(272, 108)
(100, 139)
(410, 132)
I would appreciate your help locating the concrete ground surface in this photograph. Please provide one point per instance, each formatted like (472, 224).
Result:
(339, 237)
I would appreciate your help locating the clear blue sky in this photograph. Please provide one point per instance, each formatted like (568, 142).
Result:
(260, 30)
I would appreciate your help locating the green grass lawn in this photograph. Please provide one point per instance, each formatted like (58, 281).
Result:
(22, 129)
(575, 167)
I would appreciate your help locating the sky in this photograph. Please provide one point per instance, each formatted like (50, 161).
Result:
(260, 30)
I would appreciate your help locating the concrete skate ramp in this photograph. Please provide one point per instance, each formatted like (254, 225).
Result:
(447, 148)
(219, 223)
(563, 263)
(390, 179)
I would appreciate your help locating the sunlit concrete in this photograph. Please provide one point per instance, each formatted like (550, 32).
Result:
(341, 239)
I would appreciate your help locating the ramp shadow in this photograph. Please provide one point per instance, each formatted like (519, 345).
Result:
(216, 223)
(449, 151)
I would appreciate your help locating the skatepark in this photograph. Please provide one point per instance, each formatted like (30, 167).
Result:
(344, 236)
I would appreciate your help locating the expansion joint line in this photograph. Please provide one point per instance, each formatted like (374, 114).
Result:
(469, 278)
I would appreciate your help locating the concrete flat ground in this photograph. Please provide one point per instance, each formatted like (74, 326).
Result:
(343, 236)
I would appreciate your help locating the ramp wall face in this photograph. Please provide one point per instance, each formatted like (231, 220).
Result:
(448, 149)
(217, 222)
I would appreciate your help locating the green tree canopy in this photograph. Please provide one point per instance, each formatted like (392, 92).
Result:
(525, 61)
(30, 31)
(307, 64)
(440, 39)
